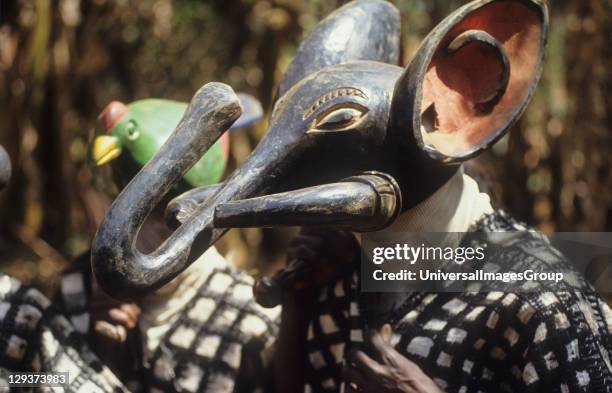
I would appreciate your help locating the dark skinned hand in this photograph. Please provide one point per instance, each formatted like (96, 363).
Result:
(381, 369)
(321, 255)
(115, 335)
(315, 257)
(115, 332)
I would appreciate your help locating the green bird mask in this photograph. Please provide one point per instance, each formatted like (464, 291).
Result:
(128, 136)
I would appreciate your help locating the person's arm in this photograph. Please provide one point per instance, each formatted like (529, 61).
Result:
(291, 347)
(316, 257)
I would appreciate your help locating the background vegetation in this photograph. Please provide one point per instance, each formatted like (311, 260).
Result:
(61, 61)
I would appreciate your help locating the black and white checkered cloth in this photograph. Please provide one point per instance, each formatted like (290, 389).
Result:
(535, 341)
(36, 336)
(219, 331)
(218, 338)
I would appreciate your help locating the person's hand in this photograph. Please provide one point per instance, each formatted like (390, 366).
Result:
(115, 333)
(381, 369)
(315, 257)
(319, 256)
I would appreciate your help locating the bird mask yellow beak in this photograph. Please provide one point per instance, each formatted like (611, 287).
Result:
(105, 149)
(108, 147)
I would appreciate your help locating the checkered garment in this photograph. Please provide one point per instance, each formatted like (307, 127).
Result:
(219, 337)
(36, 336)
(221, 331)
(214, 345)
(533, 341)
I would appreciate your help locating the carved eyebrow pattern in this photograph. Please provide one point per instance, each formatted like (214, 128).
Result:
(343, 91)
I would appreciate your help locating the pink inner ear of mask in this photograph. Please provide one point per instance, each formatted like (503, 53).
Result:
(455, 83)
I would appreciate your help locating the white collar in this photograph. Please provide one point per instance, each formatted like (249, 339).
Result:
(452, 209)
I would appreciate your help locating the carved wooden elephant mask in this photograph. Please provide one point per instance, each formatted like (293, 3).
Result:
(353, 139)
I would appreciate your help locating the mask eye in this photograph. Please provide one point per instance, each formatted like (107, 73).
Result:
(339, 118)
(132, 131)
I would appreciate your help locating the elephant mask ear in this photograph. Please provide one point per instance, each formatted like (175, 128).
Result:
(360, 30)
(472, 78)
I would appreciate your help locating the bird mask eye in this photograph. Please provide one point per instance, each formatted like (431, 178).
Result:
(339, 118)
(132, 130)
